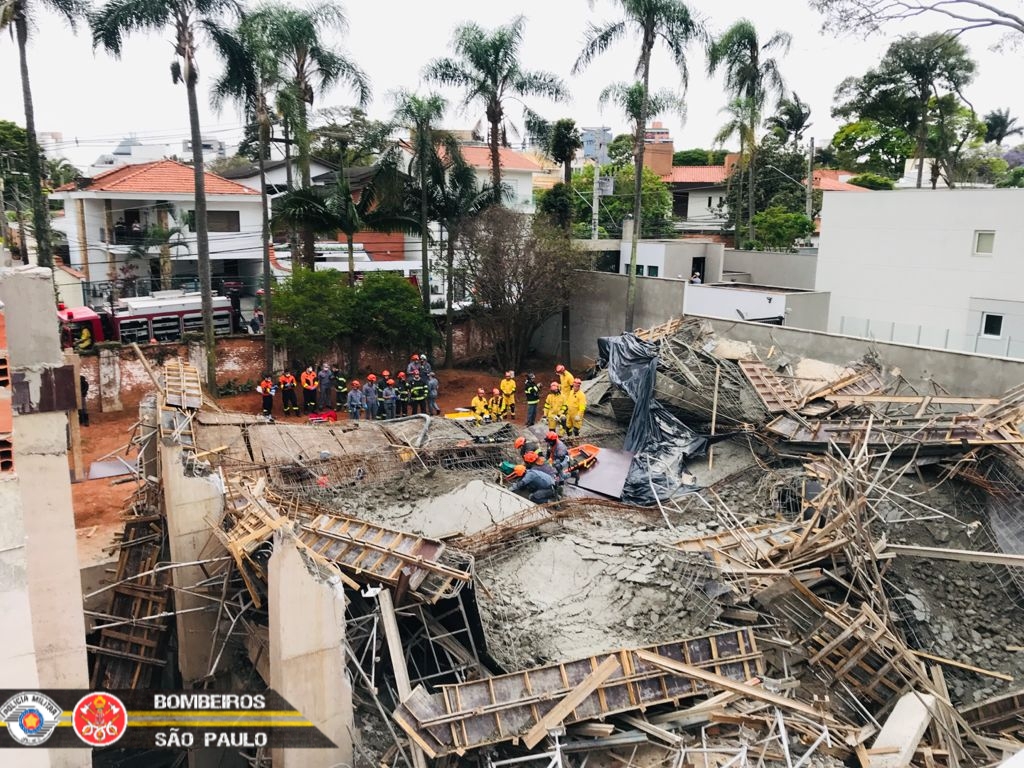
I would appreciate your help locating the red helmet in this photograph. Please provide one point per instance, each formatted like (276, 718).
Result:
(519, 442)
(554, 386)
(551, 437)
(355, 383)
(385, 373)
(495, 391)
(559, 368)
(391, 382)
(371, 377)
(530, 457)
(415, 357)
(401, 374)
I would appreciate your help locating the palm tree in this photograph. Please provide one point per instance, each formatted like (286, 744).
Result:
(306, 67)
(739, 111)
(791, 119)
(999, 126)
(559, 139)
(18, 17)
(750, 75)
(250, 74)
(420, 115)
(487, 67)
(187, 19)
(670, 22)
(60, 170)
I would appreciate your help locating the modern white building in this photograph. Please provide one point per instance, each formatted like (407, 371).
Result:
(672, 259)
(941, 268)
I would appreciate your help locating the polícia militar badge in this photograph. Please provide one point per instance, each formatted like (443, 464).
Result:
(30, 717)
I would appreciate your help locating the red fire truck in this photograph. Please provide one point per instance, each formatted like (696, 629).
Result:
(163, 316)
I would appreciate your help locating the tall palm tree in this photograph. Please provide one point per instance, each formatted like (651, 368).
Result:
(751, 75)
(559, 139)
(486, 66)
(739, 123)
(791, 119)
(249, 77)
(420, 115)
(18, 16)
(999, 126)
(187, 20)
(671, 23)
(307, 66)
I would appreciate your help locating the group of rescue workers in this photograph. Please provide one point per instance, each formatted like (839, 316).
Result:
(543, 470)
(564, 405)
(327, 392)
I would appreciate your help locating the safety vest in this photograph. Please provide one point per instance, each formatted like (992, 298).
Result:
(507, 387)
(308, 380)
(286, 382)
(265, 386)
(554, 404)
(576, 401)
(532, 392)
(418, 390)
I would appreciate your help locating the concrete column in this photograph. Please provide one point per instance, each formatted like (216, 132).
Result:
(148, 424)
(188, 501)
(83, 238)
(197, 358)
(109, 375)
(307, 661)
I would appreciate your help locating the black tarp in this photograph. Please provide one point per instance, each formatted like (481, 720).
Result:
(660, 442)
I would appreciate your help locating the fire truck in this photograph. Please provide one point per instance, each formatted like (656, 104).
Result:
(162, 316)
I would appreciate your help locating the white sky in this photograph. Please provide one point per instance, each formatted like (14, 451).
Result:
(94, 99)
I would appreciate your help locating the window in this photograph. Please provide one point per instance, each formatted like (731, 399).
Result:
(709, 201)
(991, 325)
(652, 271)
(640, 269)
(217, 221)
(984, 242)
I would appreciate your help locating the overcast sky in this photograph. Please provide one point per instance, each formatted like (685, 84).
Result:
(94, 99)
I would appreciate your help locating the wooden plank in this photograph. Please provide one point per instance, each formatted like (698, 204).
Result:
(720, 681)
(573, 699)
(961, 665)
(394, 638)
(959, 555)
(909, 400)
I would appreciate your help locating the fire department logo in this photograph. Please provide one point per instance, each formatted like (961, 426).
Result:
(100, 719)
(30, 718)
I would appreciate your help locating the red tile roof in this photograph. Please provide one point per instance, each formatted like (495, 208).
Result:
(697, 174)
(480, 157)
(829, 184)
(159, 177)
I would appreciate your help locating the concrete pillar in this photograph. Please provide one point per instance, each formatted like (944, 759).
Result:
(188, 501)
(197, 358)
(307, 661)
(109, 375)
(148, 425)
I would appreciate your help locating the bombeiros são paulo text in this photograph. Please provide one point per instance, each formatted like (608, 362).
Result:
(201, 701)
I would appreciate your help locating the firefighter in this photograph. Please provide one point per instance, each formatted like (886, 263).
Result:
(558, 453)
(532, 392)
(308, 381)
(340, 385)
(413, 366)
(433, 387)
(402, 390)
(382, 383)
(480, 407)
(508, 394)
(539, 485)
(289, 401)
(389, 396)
(267, 390)
(565, 378)
(354, 399)
(524, 446)
(370, 396)
(554, 406)
(496, 405)
(84, 339)
(418, 393)
(575, 407)
(324, 395)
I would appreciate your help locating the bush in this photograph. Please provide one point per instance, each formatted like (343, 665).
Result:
(872, 181)
(777, 229)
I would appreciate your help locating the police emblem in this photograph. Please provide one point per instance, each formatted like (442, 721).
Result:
(100, 719)
(30, 717)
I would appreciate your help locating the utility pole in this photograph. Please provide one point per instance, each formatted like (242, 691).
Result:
(596, 202)
(810, 181)
(3, 222)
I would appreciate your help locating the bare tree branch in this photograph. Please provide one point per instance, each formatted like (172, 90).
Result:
(867, 16)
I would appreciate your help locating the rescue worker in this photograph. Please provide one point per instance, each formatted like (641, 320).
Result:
(84, 339)
(508, 394)
(289, 400)
(425, 366)
(554, 406)
(532, 392)
(418, 393)
(575, 407)
(354, 400)
(480, 407)
(524, 446)
(266, 390)
(370, 397)
(496, 405)
(558, 453)
(340, 385)
(402, 388)
(382, 383)
(413, 366)
(308, 381)
(539, 485)
(389, 396)
(324, 395)
(433, 387)
(564, 378)
(546, 467)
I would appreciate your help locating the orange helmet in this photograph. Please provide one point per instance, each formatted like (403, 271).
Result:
(495, 391)
(530, 457)
(371, 377)
(519, 470)
(551, 437)
(401, 374)
(519, 442)
(480, 391)
(415, 357)
(391, 382)
(355, 383)
(385, 373)
(559, 368)
(554, 386)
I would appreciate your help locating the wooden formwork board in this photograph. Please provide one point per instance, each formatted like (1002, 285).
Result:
(1000, 717)
(505, 708)
(744, 548)
(182, 387)
(892, 434)
(774, 391)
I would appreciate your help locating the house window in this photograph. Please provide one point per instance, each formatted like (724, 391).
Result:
(709, 201)
(721, 201)
(652, 271)
(991, 325)
(640, 270)
(984, 242)
(217, 221)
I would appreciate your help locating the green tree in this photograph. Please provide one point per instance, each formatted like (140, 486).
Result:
(430, 147)
(655, 195)
(560, 140)
(791, 119)
(999, 126)
(558, 204)
(872, 181)
(871, 146)
(620, 149)
(59, 171)
(313, 312)
(350, 138)
(486, 66)
(671, 23)
(751, 76)
(952, 128)
(776, 229)
(697, 157)
(18, 17)
(1013, 178)
(187, 20)
(898, 93)
(739, 126)
(386, 308)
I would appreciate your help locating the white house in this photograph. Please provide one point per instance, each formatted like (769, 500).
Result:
(940, 268)
(673, 259)
(277, 174)
(107, 215)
